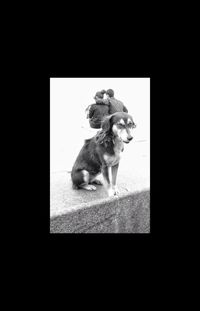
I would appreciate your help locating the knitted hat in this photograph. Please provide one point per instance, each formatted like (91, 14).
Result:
(110, 92)
(99, 94)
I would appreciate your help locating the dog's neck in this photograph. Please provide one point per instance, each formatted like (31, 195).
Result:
(112, 143)
(117, 140)
(118, 144)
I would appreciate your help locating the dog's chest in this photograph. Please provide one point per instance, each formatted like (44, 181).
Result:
(112, 160)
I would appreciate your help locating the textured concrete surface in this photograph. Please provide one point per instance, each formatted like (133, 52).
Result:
(81, 211)
(124, 214)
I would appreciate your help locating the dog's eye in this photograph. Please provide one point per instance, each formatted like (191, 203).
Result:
(120, 126)
(131, 125)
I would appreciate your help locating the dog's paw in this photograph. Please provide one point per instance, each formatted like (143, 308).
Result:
(115, 190)
(92, 187)
(89, 187)
(111, 192)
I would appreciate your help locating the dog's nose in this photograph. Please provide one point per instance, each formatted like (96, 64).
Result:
(130, 138)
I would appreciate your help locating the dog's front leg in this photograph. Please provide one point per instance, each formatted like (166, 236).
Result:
(107, 175)
(114, 178)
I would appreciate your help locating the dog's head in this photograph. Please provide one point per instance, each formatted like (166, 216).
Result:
(121, 124)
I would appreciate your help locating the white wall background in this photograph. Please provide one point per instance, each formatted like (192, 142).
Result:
(69, 97)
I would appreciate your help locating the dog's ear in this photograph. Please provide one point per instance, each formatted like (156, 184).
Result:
(106, 123)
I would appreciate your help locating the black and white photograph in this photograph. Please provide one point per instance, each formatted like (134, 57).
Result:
(100, 155)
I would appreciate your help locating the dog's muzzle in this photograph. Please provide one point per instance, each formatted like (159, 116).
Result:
(128, 140)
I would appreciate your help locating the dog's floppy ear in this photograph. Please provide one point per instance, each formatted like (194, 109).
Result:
(106, 123)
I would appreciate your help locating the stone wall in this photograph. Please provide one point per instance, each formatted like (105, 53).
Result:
(125, 214)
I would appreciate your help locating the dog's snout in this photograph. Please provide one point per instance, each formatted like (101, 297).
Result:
(130, 138)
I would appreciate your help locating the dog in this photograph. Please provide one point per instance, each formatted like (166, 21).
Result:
(101, 154)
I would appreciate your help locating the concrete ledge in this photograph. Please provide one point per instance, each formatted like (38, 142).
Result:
(125, 214)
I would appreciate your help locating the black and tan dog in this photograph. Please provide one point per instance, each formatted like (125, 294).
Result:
(101, 153)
